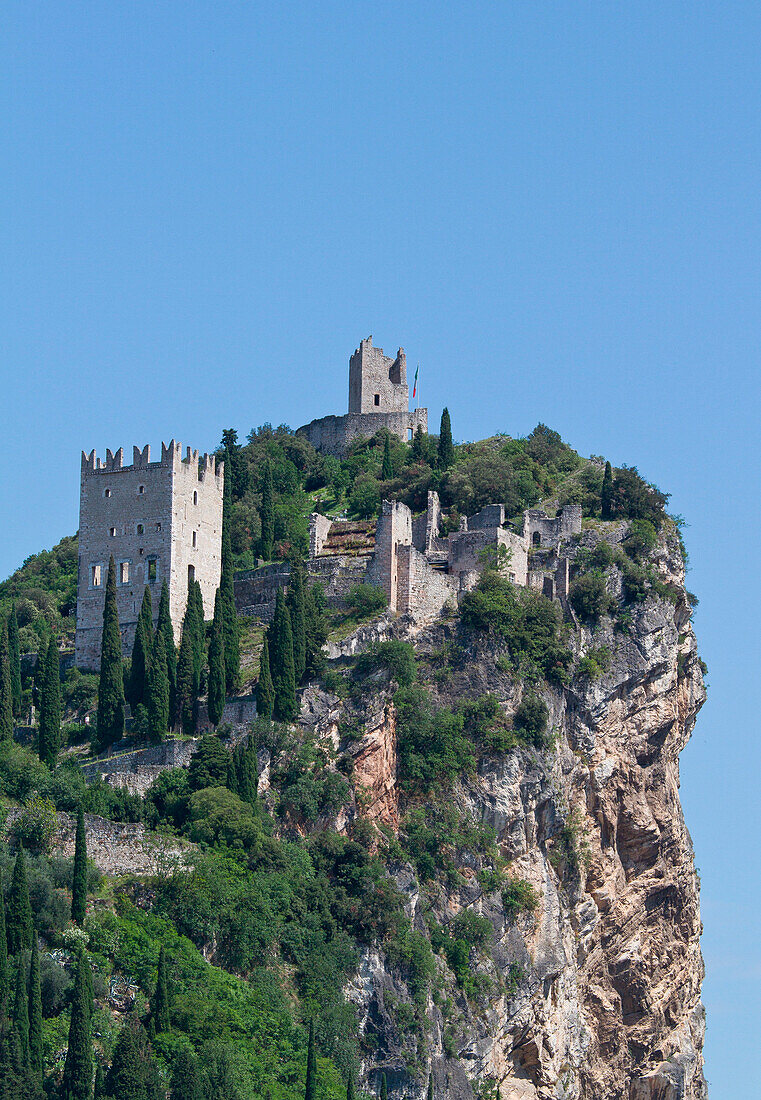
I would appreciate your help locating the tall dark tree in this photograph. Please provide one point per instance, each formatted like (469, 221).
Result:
(387, 466)
(14, 657)
(227, 589)
(79, 877)
(247, 771)
(418, 444)
(606, 493)
(350, 1088)
(49, 736)
(187, 1081)
(160, 1000)
(298, 621)
(21, 1007)
(310, 1084)
(34, 1003)
(99, 1090)
(185, 698)
(217, 663)
(236, 466)
(3, 954)
(6, 686)
(383, 1087)
(133, 1074)
(265, 692)
(164, 627)
(446, 446)
(199, 632)
(19, 925)
(315, 628)
(110, 720)
(157, 696)
(77, 1070)
(141, 650)
(281, 662)
(267, 514)
(430, 1087)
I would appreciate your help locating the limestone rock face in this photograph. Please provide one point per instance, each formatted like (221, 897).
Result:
(600, 990)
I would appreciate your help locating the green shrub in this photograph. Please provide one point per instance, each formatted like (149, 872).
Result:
(474, 929)
(589, 596)
(596, 662)
(367, 599)
(518, 896)
(640, 540)
(531, 720)
(217, 816)
(36, 823)
(397, 657)
(432, 744)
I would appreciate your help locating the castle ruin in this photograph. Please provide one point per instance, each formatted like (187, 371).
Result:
(161, 521)
(378, 398)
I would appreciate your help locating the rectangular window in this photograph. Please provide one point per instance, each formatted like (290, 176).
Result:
(123, 572)
(158, 526)
(140, 529)
(377, 399)
(194, 540)
(95, 575)
(152, 570)
(112, 532)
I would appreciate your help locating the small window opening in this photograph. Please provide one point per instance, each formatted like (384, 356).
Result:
(195, 498)
(194, 540)
(95, 576)
(140, 489)
(536, 538)
(158, 526)
(123, 572)
(152, 570)
(112, 532)
(191, 573)
(106, 492)
(140, 529)
(409, 435)
(376, 399)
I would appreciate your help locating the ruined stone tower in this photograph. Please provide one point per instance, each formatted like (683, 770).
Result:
(378, 398)
(161, 521)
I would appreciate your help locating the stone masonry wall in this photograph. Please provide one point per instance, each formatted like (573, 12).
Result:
(332, 435)
(377, 383)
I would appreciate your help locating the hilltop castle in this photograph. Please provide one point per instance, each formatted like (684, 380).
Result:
(161, 521)
(378, 398)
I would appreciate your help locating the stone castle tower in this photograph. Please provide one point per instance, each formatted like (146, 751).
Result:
(161, 521)
(378, 398)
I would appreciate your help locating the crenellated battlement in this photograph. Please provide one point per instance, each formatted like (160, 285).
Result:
(171, 455)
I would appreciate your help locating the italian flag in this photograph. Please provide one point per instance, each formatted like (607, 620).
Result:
(414, 382)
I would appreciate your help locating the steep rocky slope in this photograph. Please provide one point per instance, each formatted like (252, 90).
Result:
(595, 993)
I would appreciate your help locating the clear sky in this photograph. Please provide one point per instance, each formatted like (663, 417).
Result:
(554, 207)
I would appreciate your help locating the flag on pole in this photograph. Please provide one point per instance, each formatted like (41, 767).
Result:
(414, 382)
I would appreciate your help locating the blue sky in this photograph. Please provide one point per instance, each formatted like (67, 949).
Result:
(555, 208)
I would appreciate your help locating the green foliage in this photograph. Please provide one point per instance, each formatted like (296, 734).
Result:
(47, 585)
(6, 687)
(21, 773)
(158, 690)
(297, 611)
(310, 1080)
(445, 456)
(606, 493)
(432, 745)
(186, 687)
(49, 693)
(396, 657)
(217, 816)
(36, 823)
(281, 662)
(160, 1015)
(474, 929)
(387, 466)
(267, 514)
(635, 498)
(640, 540)
(21, 1007)
(265, 692)
(308, 788)
(79, 876)
(518, 896)
(595, 663)
(34, 1013)
(14, 659)
(208, 765)
(77, 1073)
(217, 662)
(589, 596)
(531, 719)
(133, 1074)
(141, 651)
(227, 590)
(527, 622)
(366, 600)
(165, 628)
(438, 839)
(237, 474)
(3, 952)
(19, 927)
(110, 719)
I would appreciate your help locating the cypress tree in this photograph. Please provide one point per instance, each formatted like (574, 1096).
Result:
(606, 493)
(79, 878)
(265, 692)
(20, 928)
(185, 712)
(227, 589)
(6, 687)
(186, 1078)
(446, 446)
(14, 657)
(77, 1071)
(349, 1088)
(158, 690)
(141, 650)
(199, 633)
(315, 628)
(132, 1075)
(387, 466)
(160, 999)
(281, 654)
(231, 782)
(3, 954)
(217, 663)
(49, 737)
(383, 1087)
(248, 772)
(298, 621)
(267, 514)
(110, 720)
(21, 1007)
(164, 626)
(34, 1002)
(99, 1092)
(430, 1086)
(310, 1085)
(418, 447)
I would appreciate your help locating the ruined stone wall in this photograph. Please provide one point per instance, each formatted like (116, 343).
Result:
(422, 590)
(256, 590)
(539, 529)
(338, 574)
(332, 435)
(394, 529)
(319, 529)
(468, 548)
(377, 383)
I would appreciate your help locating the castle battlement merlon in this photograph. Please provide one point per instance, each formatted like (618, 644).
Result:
(171, 455)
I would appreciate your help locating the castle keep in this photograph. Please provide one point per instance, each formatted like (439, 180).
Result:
(161, 521)
(378, 398)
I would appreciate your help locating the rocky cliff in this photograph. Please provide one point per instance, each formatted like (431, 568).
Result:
(594, 992)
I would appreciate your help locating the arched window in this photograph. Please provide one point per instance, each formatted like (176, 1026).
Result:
(191, 573)
(536, 538)
(195, 498)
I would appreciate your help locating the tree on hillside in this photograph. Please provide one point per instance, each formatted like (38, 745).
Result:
(3, 953)
(247, 772)
(141, 651)
(157, 690)
(383, 1087)
(133, 1074)
(296, 610)
(19, 921)
(187, 1083)
(14, 657)
(267, 514)
(160, 1000)
(446, 446)
(185, 697)
(387, 466)
(6, 687)
(165, 628)
(217, 663)
(606, 493)
(265, 692)
(315, 628)
(195, 598)
(227, 589)
(430, 1087)
(77, 1072)
(21, 1007)
(110, 720)
(236, 466)
(310, 1084)
(34, 1009)
(79, 877)
(418, 444)
(281, 661)
(49, 736)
